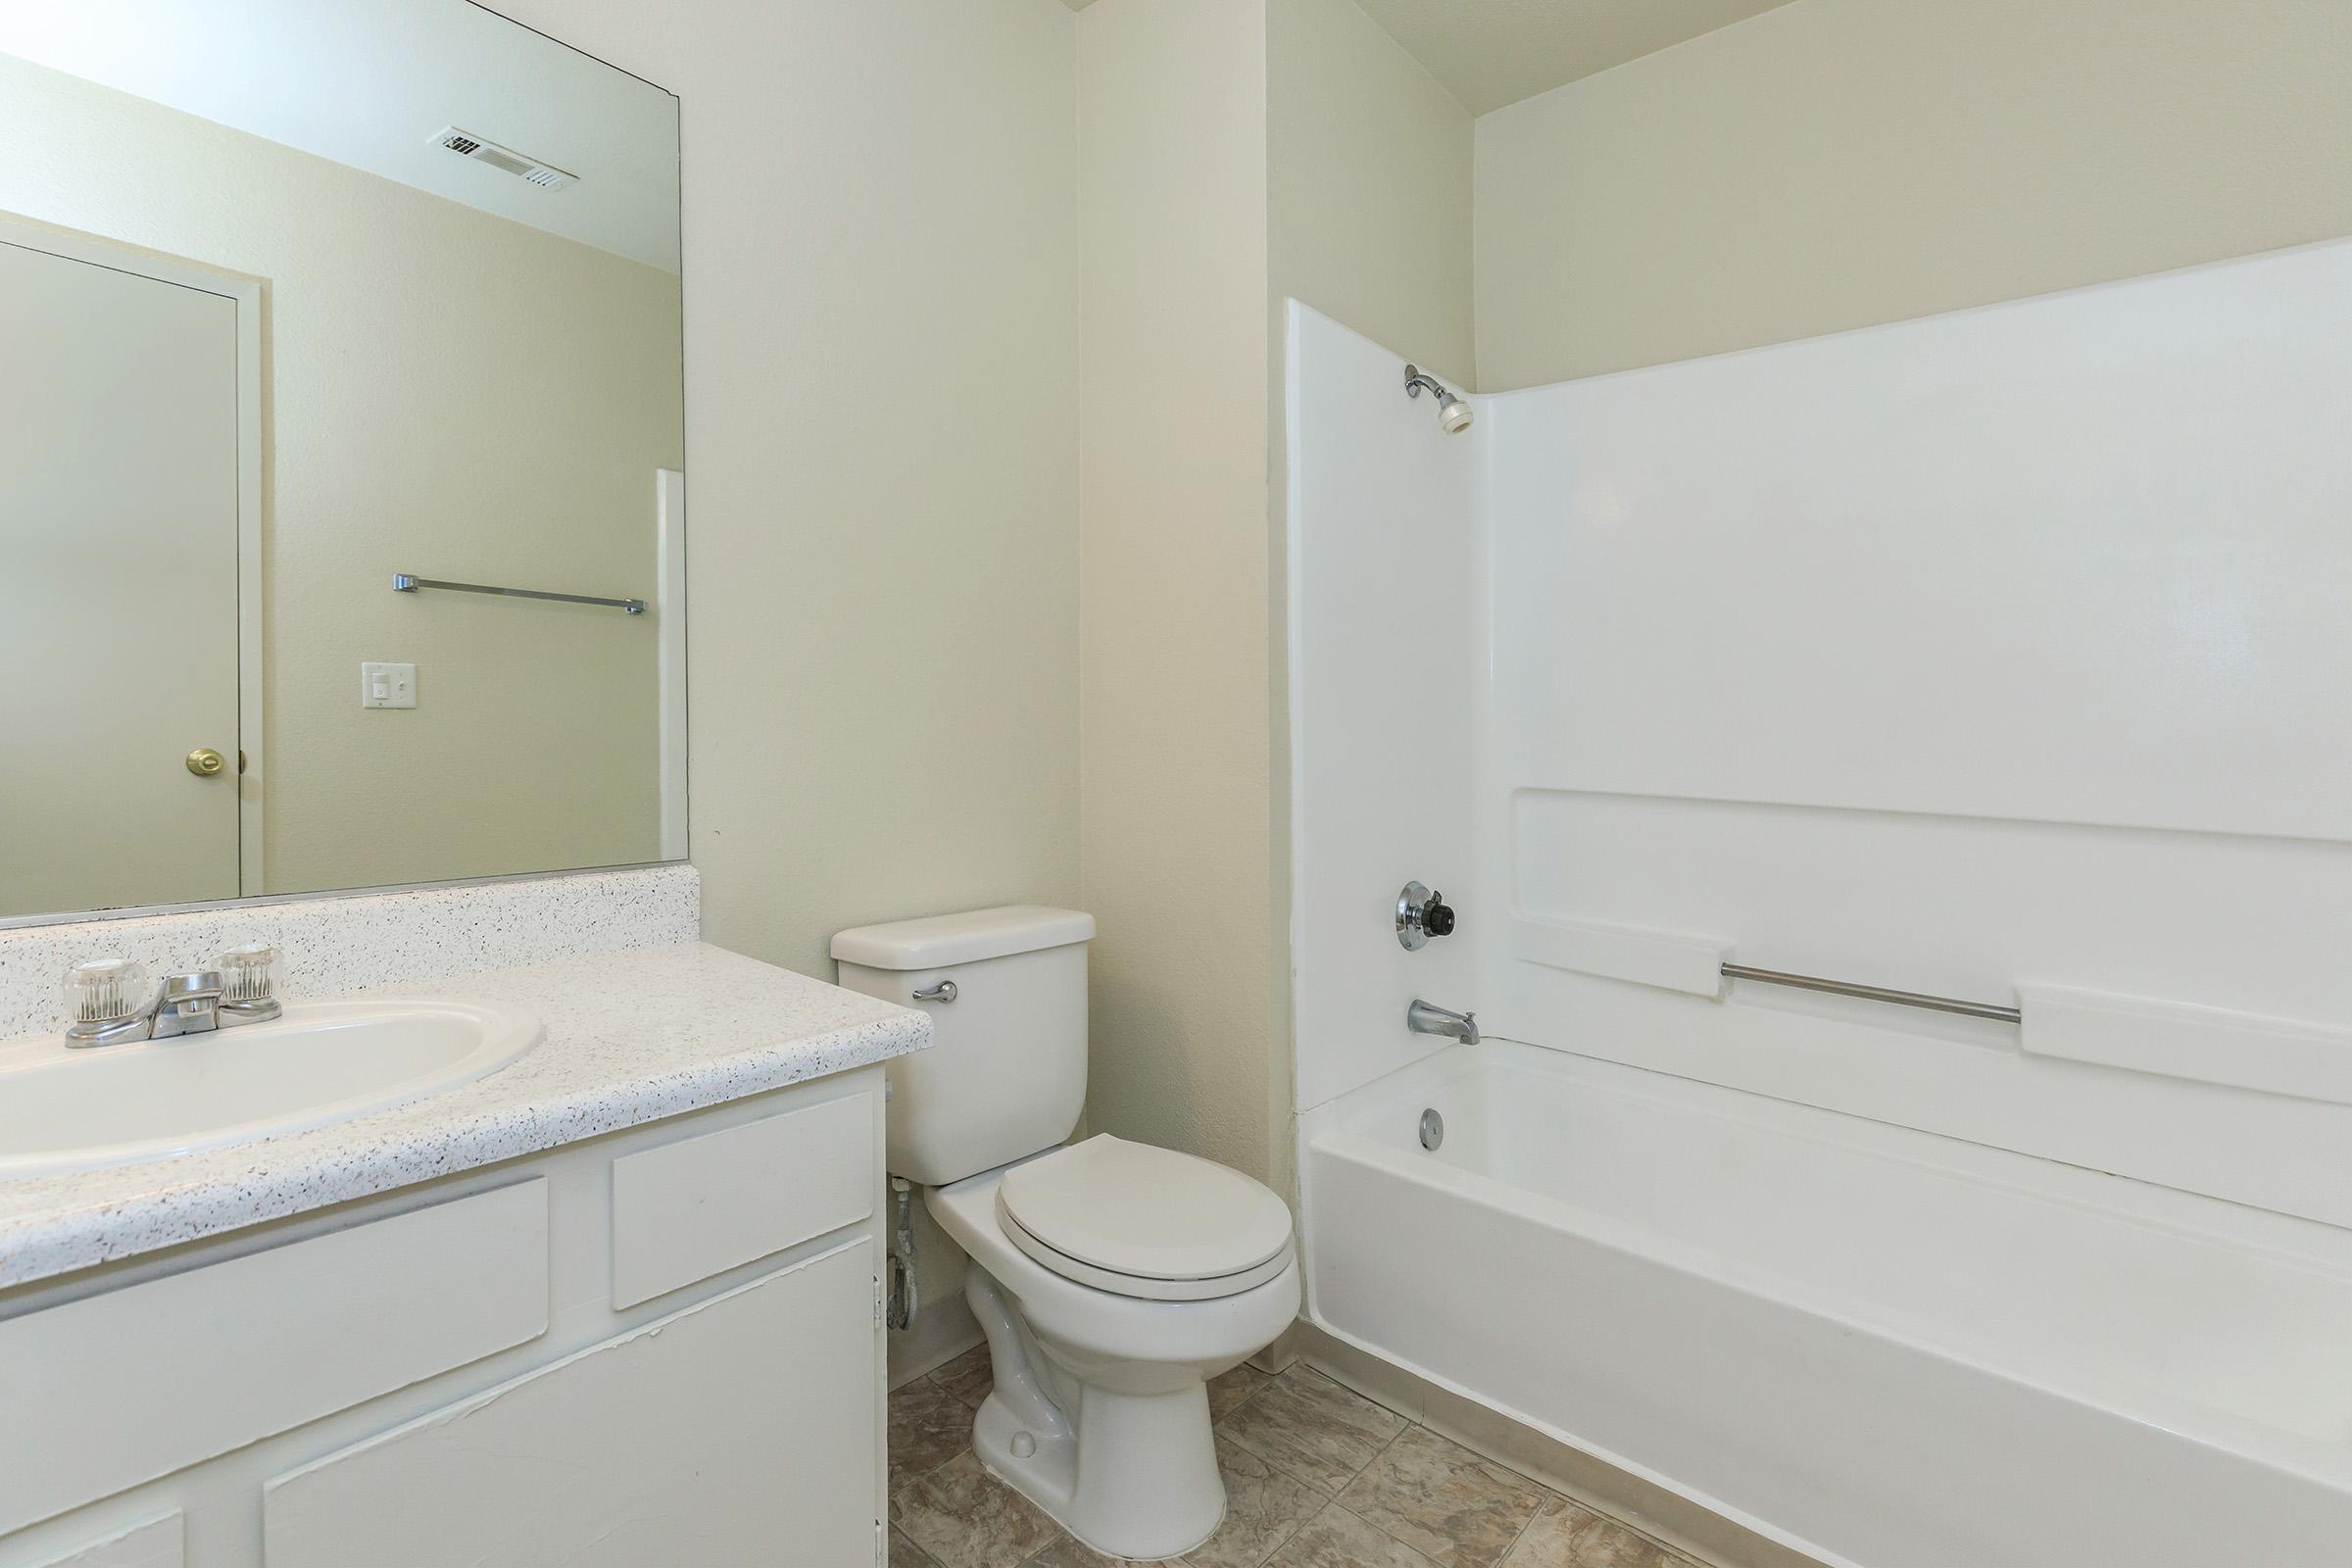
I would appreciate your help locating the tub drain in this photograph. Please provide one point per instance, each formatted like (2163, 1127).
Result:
(1433, 1129)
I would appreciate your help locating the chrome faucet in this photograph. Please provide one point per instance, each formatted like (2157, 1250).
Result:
(188, 1004)
(1425, 1018)
(103, 999)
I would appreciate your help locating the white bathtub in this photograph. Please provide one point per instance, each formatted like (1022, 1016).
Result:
(1882, 1348)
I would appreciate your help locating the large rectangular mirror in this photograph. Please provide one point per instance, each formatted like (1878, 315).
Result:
(318, 322)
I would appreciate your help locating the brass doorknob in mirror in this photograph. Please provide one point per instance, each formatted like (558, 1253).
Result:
(203, 762)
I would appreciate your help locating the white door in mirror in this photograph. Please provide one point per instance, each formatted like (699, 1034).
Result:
(387, 685)
(127, 501)
(63, 1110)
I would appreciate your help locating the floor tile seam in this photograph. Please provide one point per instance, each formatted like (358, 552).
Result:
(925, 1475)
(1377, 1528)
(1524, 1527)
(1291, 1534)
(1384, 1532)
(927, 1559)
(1243, 1403)
(1284, 1470)
(1506, 1558)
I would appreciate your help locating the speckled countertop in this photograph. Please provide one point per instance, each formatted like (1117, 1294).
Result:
(631, 1037)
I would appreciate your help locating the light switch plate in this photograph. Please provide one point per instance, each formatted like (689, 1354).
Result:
(387, 685)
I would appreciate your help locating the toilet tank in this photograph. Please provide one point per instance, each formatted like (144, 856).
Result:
(1006, 1073)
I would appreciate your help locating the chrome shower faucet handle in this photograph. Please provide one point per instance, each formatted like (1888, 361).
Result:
(1420, 915)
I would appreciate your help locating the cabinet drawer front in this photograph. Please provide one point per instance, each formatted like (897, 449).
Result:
(131, 1383)
(697, 1207)
(738, 1430)
(158, 1543)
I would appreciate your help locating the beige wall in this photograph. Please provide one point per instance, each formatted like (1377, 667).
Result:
(1233, 153)
(886, 688)
(445, 393)
(881, 252)
(1369, 185)
(1176, 688)
(881, 262)
(1838, 163)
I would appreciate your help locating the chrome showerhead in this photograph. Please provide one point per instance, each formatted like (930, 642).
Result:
(1452, 412)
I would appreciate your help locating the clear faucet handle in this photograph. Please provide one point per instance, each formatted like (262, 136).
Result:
(105, 992)
(250, 975)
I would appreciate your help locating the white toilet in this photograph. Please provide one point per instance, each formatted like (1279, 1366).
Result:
(1113, 1279)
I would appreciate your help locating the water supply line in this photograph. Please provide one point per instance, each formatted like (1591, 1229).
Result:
(903, 1299)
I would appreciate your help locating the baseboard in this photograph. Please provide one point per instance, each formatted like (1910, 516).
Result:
(1276, 1359)
(1670, 1517)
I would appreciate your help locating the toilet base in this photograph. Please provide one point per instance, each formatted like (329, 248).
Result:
(1129, 1475)
(1145, 1517)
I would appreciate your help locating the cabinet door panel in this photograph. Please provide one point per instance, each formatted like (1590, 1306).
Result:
(735, 1432)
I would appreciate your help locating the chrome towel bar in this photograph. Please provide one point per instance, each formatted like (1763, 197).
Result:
(1900, 998)
(403, 583)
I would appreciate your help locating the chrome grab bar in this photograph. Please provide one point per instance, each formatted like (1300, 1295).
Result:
(1900, 998)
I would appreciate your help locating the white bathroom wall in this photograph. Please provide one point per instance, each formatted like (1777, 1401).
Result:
(1387, 632)
(1973, 654)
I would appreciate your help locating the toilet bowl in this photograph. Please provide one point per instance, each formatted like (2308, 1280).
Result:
(1113, 1279)
(1100, 1413)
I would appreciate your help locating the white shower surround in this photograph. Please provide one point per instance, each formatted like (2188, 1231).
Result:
(1990, 654)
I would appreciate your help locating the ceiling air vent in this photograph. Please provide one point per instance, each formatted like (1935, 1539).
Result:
(465, 144)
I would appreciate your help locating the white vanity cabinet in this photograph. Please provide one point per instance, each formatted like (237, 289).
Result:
(728, 1431)
(659, 1347)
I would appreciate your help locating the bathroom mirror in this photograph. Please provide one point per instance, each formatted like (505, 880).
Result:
(297, 300)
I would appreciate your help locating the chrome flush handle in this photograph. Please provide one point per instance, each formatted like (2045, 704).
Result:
(944, 991)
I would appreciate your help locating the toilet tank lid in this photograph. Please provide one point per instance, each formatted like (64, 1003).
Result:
(941, 940)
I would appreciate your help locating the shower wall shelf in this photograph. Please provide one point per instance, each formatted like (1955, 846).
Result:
(404, 583)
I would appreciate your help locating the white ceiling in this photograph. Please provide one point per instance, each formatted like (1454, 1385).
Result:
(1489, 53)
(372, 84)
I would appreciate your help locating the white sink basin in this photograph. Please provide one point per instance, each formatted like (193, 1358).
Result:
(63, 1110)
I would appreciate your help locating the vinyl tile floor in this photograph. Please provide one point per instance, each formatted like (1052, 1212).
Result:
(1316, 1476)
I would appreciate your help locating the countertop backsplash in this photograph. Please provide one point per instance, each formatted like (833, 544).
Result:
(364, 940)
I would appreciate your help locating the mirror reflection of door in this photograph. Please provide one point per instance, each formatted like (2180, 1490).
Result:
(119, 590)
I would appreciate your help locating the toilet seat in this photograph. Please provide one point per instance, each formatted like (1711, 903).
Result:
(1146, 1222)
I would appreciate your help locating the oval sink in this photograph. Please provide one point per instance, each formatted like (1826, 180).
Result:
(63, 1110)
